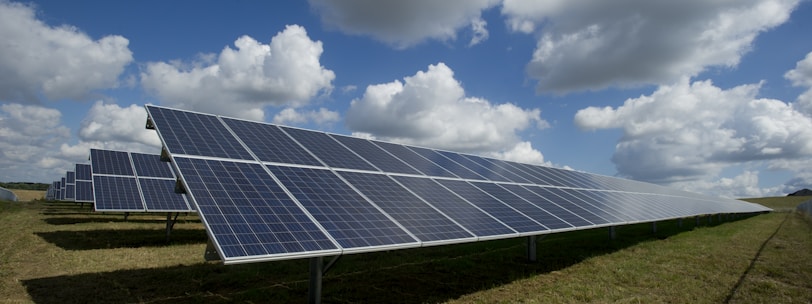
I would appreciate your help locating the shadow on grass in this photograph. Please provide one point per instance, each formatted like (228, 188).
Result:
(132, 238)
(108, 219)
(420, 275)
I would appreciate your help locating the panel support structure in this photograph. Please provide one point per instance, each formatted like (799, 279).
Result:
(653, 227)
(612, 234)
(316, 273)
(531, 248)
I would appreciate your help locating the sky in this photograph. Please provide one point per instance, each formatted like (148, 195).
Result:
(713, 97)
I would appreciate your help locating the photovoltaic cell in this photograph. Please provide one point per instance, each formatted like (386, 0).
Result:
(71, 177)
(376, 155)
(84, 191)
(492, 206)
(446, 163)
(523, 206)
(70, 192)
(502, 168)
(547, 205)
(110, 162)
(270, 144)
(116, 193)
(413, 159)
(475, 167)
(328, 150)
(473, 219)
(195, 134)
(159, 195)
(83, 172)
(419, 218)
(549, 193)
(150, 165)
(349, 218)
(248, 213)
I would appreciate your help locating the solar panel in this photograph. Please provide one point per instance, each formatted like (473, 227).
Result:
(349, 218)
(425, 222)
(270, 144)
(328, 150)
(70, 177)
(153, 181)
(268, 192)
(84, 191)
(116, 193)
(84, 172)
(248, 215)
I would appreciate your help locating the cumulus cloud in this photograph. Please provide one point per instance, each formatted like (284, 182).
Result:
(431, 109)
(40, 61)
(801, 76)
(290, 116)
(28, 137)
(586, 45)
(691, 131)
(240, 82)
(113, 123)
(402, 24)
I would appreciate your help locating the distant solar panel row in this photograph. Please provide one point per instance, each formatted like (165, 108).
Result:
(134, 182)
(269, 192)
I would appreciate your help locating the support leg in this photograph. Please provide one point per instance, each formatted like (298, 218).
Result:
(653, 227)
(679, 223)
(531, 248)
(612, 233)
(316, 272)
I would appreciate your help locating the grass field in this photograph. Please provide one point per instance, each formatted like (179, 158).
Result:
(28, 195)
(60, 253)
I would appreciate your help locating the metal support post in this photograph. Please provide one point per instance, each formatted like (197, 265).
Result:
(653, 227)
(316, 273)
(531, 248)
(679, 223)
(612, 233)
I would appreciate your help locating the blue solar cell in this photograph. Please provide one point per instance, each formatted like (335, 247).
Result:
(248, 214)
(347, 216)
(84, 191)
(375, 155)
(522, 205)
(446, 163)
(480, 170)
(414, 160)
(548, 205)
(550, 194)
(270, 144)
(150, 165)
(502, 168)
(473, 219)
(598, 208)
(116, 193)
(71, 177)
(529, 172)
(110, 162)
(492, 206)
(328, 150)
(62, 189)
(70, 192)
(160, 195)
(83, 172)
(419, 218)
(195, 134)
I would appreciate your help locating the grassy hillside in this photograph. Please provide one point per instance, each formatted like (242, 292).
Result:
(61, 253)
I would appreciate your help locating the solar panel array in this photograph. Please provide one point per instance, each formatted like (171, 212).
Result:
(268, 192)
(134, 182)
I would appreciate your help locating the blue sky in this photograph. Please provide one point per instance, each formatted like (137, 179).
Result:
(708, 96)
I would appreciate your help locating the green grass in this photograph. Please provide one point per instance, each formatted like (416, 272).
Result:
(61, 253)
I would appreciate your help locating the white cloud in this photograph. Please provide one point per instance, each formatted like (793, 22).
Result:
(37, 60)
(478, 27)
(431, 109)
(801, 76)
(290, 116)
(740, 186)
(112, 123)
(594, 45)
(28, 137)
(402, 24)
(690, 132)
(241, 81)
(522, 152)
